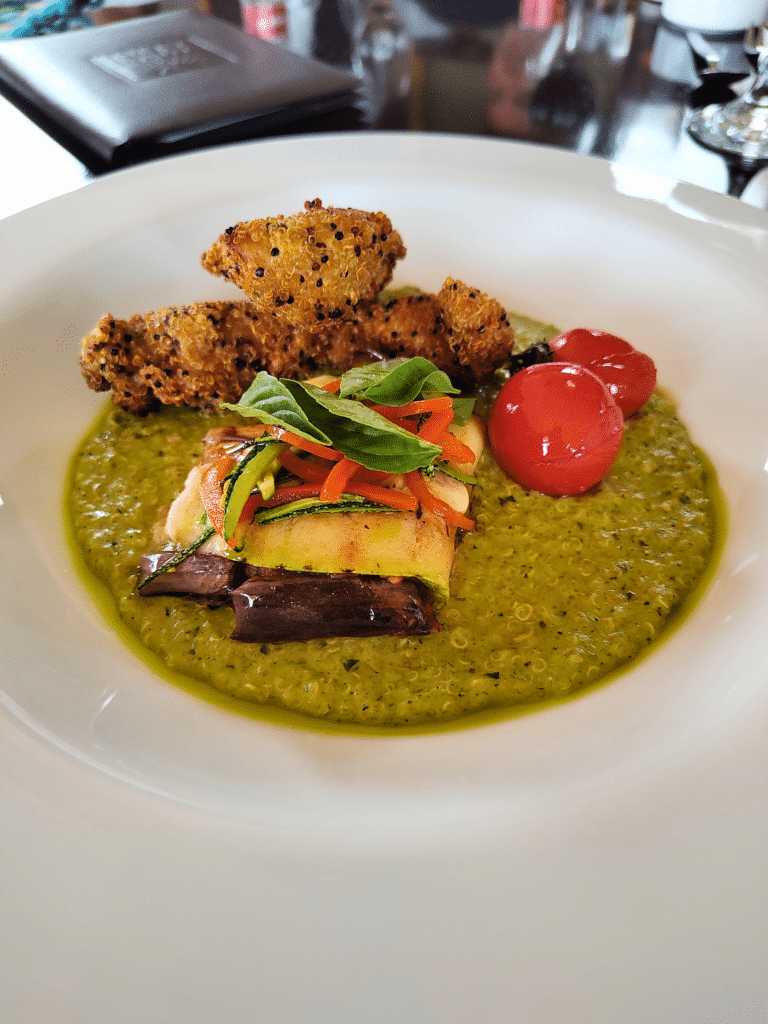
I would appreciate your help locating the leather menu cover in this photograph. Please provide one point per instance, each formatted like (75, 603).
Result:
(167, 80)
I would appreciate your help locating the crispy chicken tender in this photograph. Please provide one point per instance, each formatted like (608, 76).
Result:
(409, 325)
(314, 266)
(209, 352)
(313, 280)
(479, 333)
(461, 330)
(202, 354)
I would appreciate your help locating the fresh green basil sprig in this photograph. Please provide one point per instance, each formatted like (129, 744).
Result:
(396, 381)
(341, 420)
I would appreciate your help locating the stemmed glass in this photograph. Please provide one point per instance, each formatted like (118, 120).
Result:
(382, 55)
(738, 130)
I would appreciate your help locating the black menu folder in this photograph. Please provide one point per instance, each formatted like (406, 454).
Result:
(137, 89)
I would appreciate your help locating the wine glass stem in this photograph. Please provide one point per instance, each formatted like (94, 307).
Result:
(738, 178)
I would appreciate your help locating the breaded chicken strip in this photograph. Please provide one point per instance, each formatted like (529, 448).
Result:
(209, 352)
(202, 354)
(461, 330)
(410, 325)
(314, 266)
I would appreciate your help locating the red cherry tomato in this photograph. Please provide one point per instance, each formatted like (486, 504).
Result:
(555, 428)
(629, 375)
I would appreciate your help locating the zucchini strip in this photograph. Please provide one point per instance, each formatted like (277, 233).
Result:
(449, 470)
(315, 506)
(258, 464)
(179, 557)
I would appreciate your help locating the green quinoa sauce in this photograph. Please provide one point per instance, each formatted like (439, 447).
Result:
(549, 596)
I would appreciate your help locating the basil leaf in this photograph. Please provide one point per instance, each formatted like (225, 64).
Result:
(359, 379)
(269, 401)
(351, 427)
(462, 410)
(396, 381)
(360, 433)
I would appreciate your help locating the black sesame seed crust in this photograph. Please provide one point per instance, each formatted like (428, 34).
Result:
(208, 352)
(203, 354)
(277, 258)
(299, 321)
(461, 330)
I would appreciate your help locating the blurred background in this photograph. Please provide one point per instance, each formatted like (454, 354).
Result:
(613, 78)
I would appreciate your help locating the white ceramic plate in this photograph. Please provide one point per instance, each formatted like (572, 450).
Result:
(602, 861)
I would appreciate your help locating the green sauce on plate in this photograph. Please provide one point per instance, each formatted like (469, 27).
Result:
(548, 597)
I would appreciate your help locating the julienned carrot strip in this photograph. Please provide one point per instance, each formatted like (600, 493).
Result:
(450, 515)
(313, 447)
(456, 518)
(291, 493)
(432, 504)
(383, 495)
(337, 479)
(423, 405)
(418, 487)
(283, 495)
(210, 492)
(455, 450)
(310, 472)
(303, 468)
(436, 425)
(371, 476)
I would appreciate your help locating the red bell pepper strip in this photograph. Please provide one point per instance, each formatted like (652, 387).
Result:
(211, 492)
(455, 450)
(337, 479)
(418, 408)
(418, 487)
(313, 447)
(303, 468)
(436, 425)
